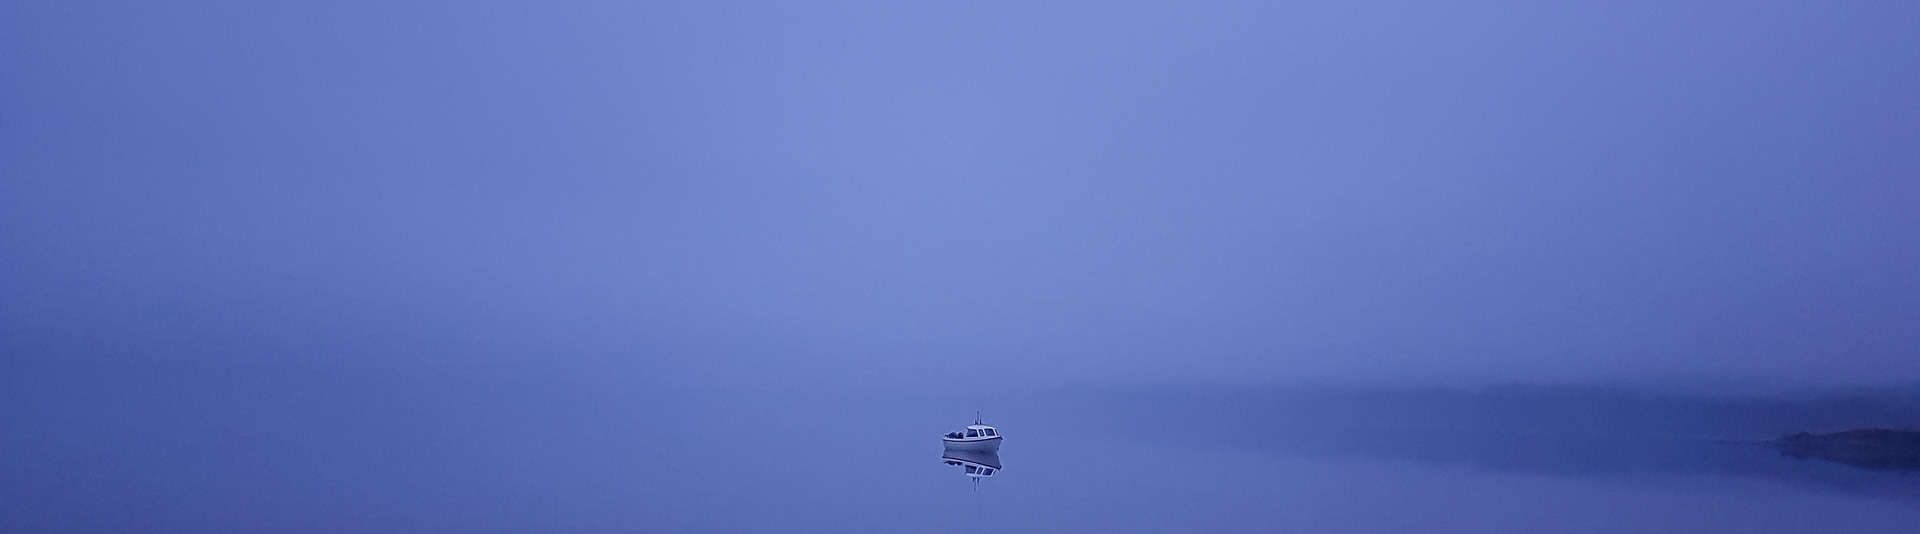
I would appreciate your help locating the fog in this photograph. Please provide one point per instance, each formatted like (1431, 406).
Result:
(375, 265)
(873, 194)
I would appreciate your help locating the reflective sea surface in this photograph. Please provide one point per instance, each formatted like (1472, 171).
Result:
(220, 449)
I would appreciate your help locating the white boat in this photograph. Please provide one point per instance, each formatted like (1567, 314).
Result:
(976, 437)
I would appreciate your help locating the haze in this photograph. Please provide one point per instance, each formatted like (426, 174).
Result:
(889, 196)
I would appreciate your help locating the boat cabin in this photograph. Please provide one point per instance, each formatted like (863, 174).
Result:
(974, 432)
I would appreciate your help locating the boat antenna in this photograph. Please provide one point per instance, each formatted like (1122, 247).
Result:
(976, 417)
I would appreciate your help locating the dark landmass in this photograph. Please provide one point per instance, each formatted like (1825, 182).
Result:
(1869, 448)
(1570, 431)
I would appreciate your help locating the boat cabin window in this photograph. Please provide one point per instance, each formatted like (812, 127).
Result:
(987, 432)
(971, 433)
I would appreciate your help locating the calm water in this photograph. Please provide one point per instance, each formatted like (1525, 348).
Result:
(304, 450)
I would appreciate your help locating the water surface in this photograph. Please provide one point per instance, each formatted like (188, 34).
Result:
(310, 450)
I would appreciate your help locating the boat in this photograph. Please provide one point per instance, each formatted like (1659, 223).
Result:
(976, 437)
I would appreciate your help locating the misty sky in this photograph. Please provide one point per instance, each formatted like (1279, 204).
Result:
(908, 193)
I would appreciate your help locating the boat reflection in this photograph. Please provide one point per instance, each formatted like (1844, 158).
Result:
(975, 464)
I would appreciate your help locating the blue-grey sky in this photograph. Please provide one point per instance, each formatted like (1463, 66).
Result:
(905, 193)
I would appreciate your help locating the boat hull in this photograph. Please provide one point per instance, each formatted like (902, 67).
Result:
(988, 444)
(973, 458)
